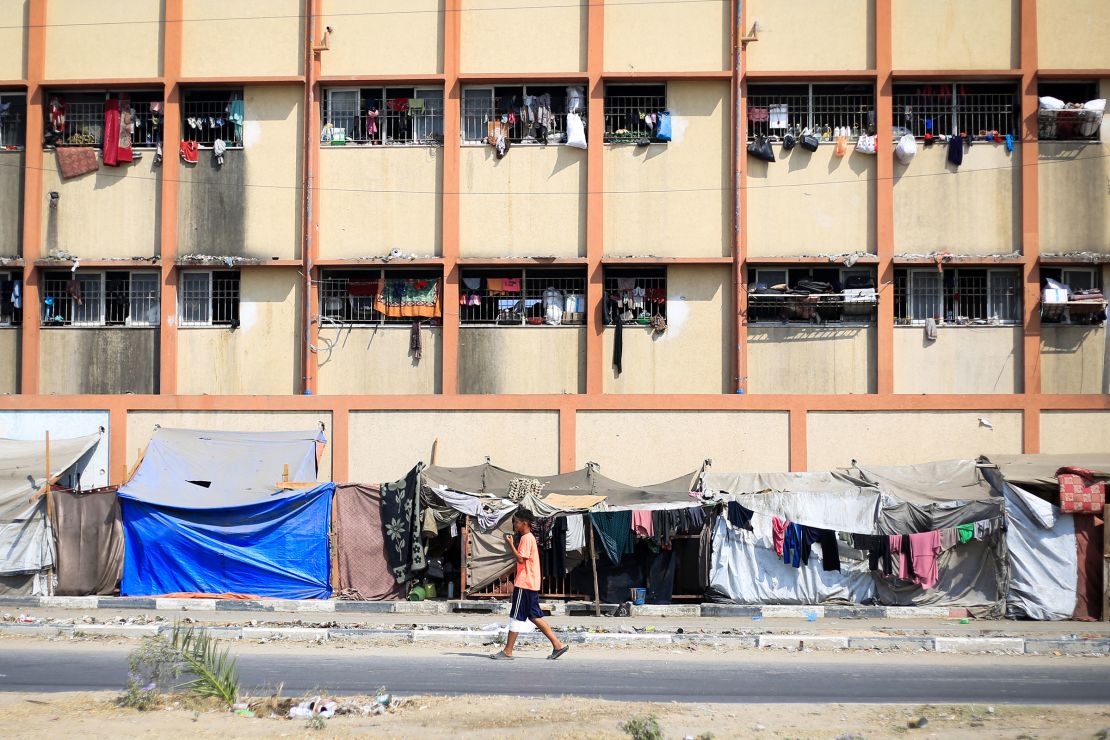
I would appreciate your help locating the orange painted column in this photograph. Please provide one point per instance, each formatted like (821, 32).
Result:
(740, 194)
(340, 444)
(117, 444)
(172, 32)
(32, 197)
(1030, 230)
(595, 203)
(884, 198)
(452, 182)
(799, 449)
(568, 439)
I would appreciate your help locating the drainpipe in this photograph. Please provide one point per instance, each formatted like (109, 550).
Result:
(737, 148)
(308, 356)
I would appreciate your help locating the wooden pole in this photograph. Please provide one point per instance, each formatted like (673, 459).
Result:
(1105, 565)
(285, 473)
(593, 565)
(464, 560)
(49, 512)
(435, 450)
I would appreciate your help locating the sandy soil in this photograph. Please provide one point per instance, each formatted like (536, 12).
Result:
(94, 715)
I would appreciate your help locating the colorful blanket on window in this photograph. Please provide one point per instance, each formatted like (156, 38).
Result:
(411, 298)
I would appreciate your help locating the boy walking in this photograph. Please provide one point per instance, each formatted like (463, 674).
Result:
(526, 592)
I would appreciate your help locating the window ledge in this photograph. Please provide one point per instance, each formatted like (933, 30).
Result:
(522, 326)
(374, 145)
(1000, 325)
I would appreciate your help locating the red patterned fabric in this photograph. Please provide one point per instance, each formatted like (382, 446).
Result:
(1080, 491)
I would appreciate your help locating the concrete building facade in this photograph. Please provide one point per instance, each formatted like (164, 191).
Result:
(241, 285)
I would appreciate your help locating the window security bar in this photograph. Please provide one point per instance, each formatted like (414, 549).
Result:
(521, 298)
(101, 299)
(206, 119)
(813, 107)
(528, 115)
(77, 119)
(962, 296)
(209, 299)
(640, 295)
(351, 297)
(627, 117)
(352, 116)
(948, 109)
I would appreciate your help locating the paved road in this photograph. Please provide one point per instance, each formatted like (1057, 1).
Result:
(788, 677)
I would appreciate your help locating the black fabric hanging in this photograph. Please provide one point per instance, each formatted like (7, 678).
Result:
(739, 516)
(660, 577)
(618, 337)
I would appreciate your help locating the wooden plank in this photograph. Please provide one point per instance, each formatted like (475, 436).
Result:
(593, 566)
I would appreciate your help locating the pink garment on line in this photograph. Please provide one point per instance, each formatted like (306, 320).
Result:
(641, 524)
(778, 533)
(925, 548)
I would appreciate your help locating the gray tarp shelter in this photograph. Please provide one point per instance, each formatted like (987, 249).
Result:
(26, 539)
(877, 500)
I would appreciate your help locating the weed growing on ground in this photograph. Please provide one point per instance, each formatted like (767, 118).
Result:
(643, 728)
(152, 668)
(316, 723)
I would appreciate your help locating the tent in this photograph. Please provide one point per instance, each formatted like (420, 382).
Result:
(206, 513)
(360, 544)
(88, 535)
(1055, 557)
(863, 500)
(26, 544)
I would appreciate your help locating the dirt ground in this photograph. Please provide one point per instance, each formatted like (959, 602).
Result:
(95, 715)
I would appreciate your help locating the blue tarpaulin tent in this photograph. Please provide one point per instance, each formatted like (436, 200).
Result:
(204, 514)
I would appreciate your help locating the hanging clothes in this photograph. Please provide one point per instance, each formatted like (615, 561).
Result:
(618, 337)
(956, 150)
(830, 550)
(664, 523)
(778, 534)
(878, 552)
(739, 516)
(126, 130)
(642, 523)
(966, 533)
(416, 344)
(694, 519)
(401, 524)
(924, 548)
(110, 143)
(796, 545)
(576, 533)
(409, 298)
(235, 115)
(614, 528)
(901, 544)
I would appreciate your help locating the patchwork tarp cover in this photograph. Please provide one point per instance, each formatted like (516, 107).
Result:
(26, 544)
(204, 513)
(360, 546)
(89, 539)
(205, 469)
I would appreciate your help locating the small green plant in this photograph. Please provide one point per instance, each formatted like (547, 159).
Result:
(213, 670)
(643, 728)
(152, 668)
(316, 722)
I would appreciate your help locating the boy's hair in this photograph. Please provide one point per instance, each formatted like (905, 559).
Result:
(525, 516)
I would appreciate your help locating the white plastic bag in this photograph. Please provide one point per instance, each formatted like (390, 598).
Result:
(906, 149)
(865, 144)
(1050, 103)
(576, 132)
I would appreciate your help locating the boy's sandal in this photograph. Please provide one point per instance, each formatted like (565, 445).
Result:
(556, 654)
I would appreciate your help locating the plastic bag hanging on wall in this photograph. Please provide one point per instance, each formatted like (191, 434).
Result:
(576, 131)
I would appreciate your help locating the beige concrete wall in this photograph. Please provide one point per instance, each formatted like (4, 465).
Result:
(675, 200)
(1073, 359)
(660, 35)
(692, 356)
(559, 47)
(272, 148)
(13, 39)
(385, 445)
(366, 359)
(111, 360)
(811, 359)
(9, 361)
(258, 358)
(220, 39)
(11, 203)
(528, 359)
(87, 40)
(1072, 34)
(531, 203)
(1064, 432)
(811, 203)
(113, 212)
(140, 427)
(907, 437)
(401, 37)
(974, 210)
(639, 447)
(374, 199)
(950, 34)
(1074, 181)
(788, 34)
(963, 359)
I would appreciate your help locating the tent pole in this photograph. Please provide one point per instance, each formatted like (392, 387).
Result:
(1105, 565)
(49, 511)
(465, 559)
(593, 566)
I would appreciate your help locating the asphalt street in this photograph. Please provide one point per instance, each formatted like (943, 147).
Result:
(616, 675)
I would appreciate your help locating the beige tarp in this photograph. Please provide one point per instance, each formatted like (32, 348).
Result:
(89, 538)
(1036, 474)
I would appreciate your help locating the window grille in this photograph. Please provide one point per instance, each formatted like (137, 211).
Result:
(775, 110)
(112, 298)
(530, 114)
(13, 109)
(629, 112)
(811, 295)
(209, 299)
(349, 296)
(975, 109)
(390, 116)
(639, 294)
(1074, 122)
(77, 119)
(958, 296)
(11, 294)
(523, 297)
(207, 115)
(1086, 302)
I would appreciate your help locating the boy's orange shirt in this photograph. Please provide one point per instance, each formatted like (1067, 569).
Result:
(528, 572)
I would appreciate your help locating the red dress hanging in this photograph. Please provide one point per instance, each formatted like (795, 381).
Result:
(110, 146)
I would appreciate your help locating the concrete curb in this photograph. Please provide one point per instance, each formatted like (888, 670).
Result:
(795, 642)
(476, 606)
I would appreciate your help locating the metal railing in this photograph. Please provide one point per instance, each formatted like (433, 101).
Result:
(11, 292)
(522, 297)
(101, 299)
(352, 297)
(819, 308)
(209, 299)
(946, 109)
(632, 118)
(774, 115)
(82, 122)
(207, 117)
(394, 121)
(535, 119)
(640, 295)
(12, 129)
(960, 296)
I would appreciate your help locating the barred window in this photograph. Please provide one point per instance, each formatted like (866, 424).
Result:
(530, 296)
(816, 295)
(1080, 118)
(529, 114)
(208, 115)
(94, 299)
(774, 110)
(962, 295)
(380, 296)
(389, 116)
(638, 294)
(632, 112)
(209, 298)
(1086, 300)
(77, 118)
(945, 108)
(13, 113)
(11, 299)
